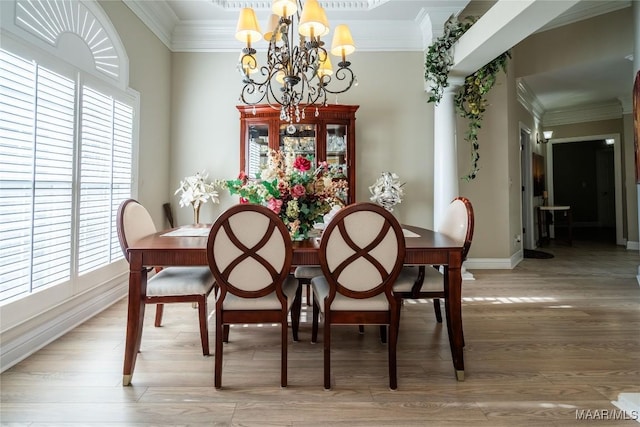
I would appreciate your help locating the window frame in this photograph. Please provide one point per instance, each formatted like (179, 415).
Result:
(17, 309)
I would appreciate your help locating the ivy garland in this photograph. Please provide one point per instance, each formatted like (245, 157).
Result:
(470, 100)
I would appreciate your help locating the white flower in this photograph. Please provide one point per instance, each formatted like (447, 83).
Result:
(387, 191)
(196, 190)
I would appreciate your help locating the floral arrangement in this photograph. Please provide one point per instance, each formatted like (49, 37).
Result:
(289, 187)
(387, 191)
(195, 190)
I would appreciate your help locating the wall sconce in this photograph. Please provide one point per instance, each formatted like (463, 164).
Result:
(547, 134)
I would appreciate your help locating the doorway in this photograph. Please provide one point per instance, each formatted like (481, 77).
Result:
(583, 175)
(526, 183)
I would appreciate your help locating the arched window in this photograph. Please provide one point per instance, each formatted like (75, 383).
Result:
(67, 142)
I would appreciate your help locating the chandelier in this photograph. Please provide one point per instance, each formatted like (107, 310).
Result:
(296, 74)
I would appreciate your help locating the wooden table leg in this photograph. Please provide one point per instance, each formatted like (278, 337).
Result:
(453, 307)
(539, 225)
(296, 308)
(569, 221)
(135, 316)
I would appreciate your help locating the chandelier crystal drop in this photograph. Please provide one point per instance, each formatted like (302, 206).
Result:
(297, 72)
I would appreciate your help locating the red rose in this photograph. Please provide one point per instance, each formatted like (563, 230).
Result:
(302, 164)
(298, 190)
(275, 205)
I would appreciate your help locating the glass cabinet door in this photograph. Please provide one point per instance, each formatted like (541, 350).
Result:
(257, 148)
(300, 139)
(337, 150)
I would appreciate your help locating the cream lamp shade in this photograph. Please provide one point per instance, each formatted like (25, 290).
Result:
(342, 44)
(248, 29)
(311, 24)
(324, 67)
(547, 134)
(284, 8)
(272, 27)
(325, 22)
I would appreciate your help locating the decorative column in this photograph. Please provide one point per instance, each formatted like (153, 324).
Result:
(445, 156)
(445, 151)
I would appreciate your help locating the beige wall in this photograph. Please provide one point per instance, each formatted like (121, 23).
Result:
(189, 123)
(489, 191)
(630, 192)
(150, 75)
(608, 35)
(394, 126)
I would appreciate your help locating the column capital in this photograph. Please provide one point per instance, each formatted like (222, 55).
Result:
(455, 81)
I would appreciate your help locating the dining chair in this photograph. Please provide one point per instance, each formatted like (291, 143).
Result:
(415, 282)
(169, 284)
(361, 254)
(249, 251)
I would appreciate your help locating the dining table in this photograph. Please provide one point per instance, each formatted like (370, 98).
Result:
(187, 246)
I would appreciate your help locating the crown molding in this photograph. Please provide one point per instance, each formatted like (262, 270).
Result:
(528, 100)
(363, 5)
(584, 113)
(201, 36)
(157, 16)
(206, 36)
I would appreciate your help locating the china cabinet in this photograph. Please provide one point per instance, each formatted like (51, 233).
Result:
(328, 135)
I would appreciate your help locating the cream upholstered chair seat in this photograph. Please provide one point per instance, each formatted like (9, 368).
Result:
(343, 303)
(361, 254)
(433, 280)
(180, 281)
(307, 272)
(249, 252)
(268, 302)
(417, 282)
(169, 284)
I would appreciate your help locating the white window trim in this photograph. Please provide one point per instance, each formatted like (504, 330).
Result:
(29, 323)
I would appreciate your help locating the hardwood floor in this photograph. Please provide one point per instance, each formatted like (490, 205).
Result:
(544, 341)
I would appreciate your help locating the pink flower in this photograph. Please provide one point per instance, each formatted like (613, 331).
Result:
(298, 190)
(302, 164)
(275, 205)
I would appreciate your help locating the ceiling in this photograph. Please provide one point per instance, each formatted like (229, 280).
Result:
(209, 25)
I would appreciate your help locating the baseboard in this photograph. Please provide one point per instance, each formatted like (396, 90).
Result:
(633, 246)
(494, 263)
(20, 342)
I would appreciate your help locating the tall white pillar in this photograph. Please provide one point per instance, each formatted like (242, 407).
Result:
(445, 156)
(445, 152)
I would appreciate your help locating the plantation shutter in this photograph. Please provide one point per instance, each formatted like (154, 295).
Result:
(36, 154)
(105, 176)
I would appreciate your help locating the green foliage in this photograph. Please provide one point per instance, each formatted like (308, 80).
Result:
(471, 98)
(439, 57)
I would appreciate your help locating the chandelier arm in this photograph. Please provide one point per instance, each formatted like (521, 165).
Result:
(343, 74)
(294, 75)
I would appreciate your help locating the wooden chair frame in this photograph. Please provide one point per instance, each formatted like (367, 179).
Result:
(278, 276)
(417, 292)
(389, 317)
(159, 301)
